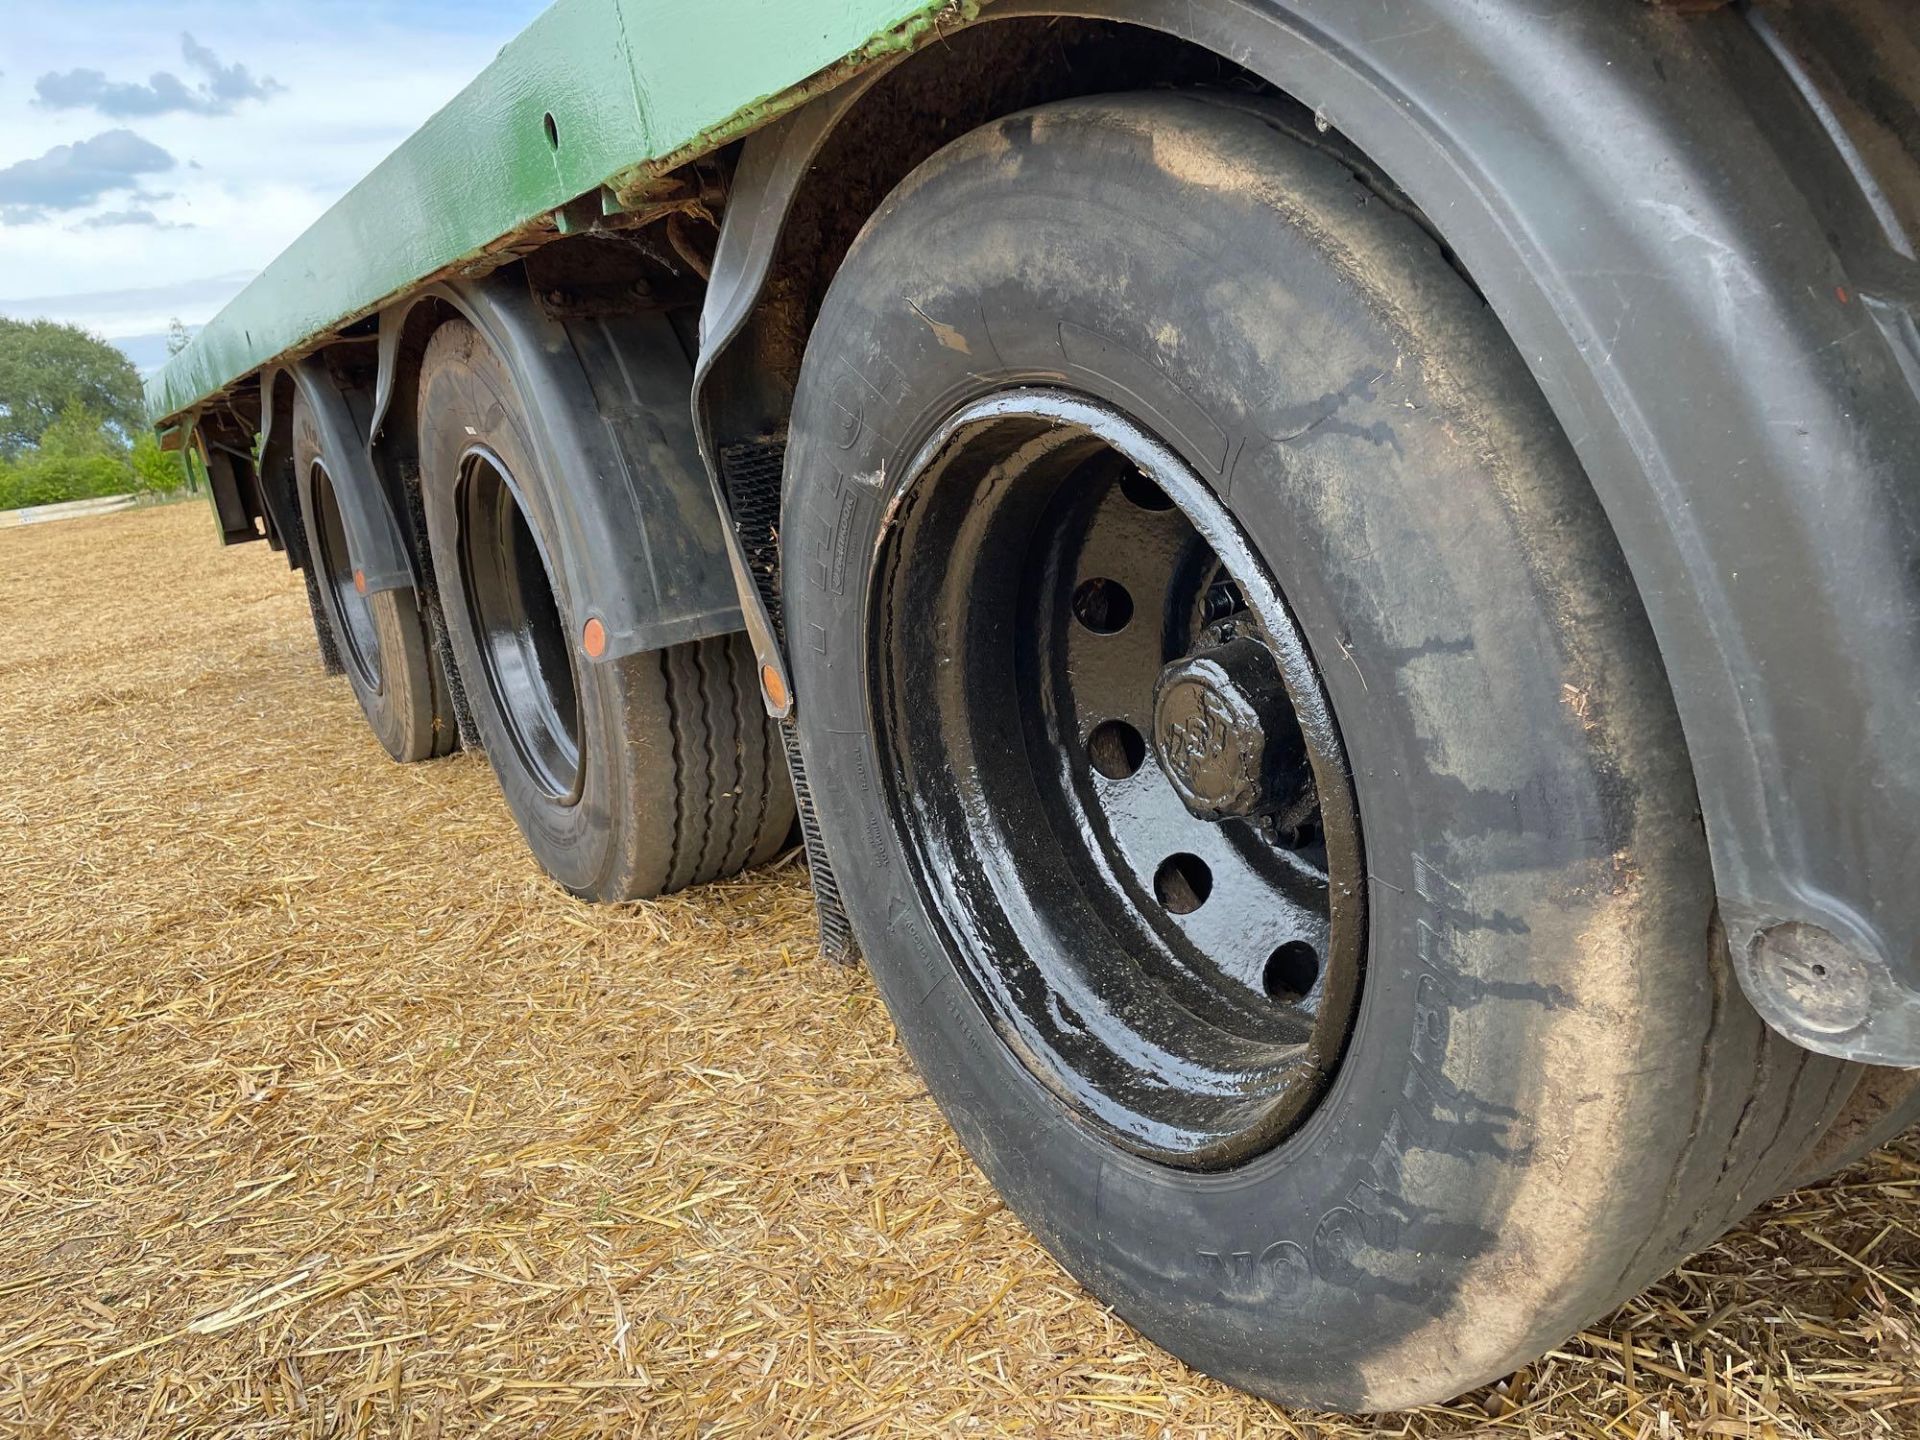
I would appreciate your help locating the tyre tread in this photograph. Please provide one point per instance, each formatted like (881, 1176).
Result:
(732, 805)
(666, 776)
(1881, 1105)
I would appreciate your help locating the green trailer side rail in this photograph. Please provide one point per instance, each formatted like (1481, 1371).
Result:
(597, 99)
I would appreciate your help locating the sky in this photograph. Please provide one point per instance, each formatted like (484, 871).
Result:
(154, 156)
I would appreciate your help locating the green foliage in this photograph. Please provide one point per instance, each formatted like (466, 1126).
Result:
(80, 458)
(47, 481)
(71, 420)
(76, 434)
(47, 369)
(156, 471)
(74, 460)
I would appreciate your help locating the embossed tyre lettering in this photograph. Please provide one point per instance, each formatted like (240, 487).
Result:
(1394, 695)
(628, 776)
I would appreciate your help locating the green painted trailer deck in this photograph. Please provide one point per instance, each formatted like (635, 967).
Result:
(595, 96)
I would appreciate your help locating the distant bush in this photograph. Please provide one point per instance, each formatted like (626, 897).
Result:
(71, 423)
(80, 457)
(156, 471)
(47, 482)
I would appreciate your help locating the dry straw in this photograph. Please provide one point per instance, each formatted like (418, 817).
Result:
(321, 1113)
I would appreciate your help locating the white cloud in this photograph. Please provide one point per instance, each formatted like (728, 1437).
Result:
(357, 77)
(215, 89)
(74, 177)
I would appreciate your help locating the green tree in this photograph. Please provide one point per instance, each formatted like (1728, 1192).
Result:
(47, 367)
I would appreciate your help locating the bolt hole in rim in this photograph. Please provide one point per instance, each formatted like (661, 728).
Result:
(1117, 780)
(360, 645)
(1292, 970)
(525, 647)
(1103, 606)
(1116, 749)
(1183, 883)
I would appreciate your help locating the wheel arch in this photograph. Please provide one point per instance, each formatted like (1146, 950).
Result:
(605, 392)
(1638, 194)
(335, 385)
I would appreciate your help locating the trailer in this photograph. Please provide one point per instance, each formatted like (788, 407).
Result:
(1332, 590)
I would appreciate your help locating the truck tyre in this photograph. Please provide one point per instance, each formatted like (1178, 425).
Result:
(1247, 769)
(629, 777)
(1884, 1105)
(381, 639)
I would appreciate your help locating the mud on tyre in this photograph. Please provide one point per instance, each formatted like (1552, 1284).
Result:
(1102, 391)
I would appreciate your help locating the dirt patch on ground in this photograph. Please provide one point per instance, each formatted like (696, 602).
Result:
(322, 1113)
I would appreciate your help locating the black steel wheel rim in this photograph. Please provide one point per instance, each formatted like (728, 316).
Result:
(360, 638)
(1117, 778)
(524, 645)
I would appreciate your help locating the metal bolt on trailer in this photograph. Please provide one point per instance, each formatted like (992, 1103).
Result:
(1332, 589)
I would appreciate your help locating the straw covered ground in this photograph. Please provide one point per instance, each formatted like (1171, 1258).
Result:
(321, 1113)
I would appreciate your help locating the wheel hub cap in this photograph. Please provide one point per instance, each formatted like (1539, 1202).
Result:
(1224, 732)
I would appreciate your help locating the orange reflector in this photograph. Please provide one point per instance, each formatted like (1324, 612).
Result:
(360, 581)
(593, 639)
(774, 686)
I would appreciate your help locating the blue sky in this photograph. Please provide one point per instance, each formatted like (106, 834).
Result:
(154, 156)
